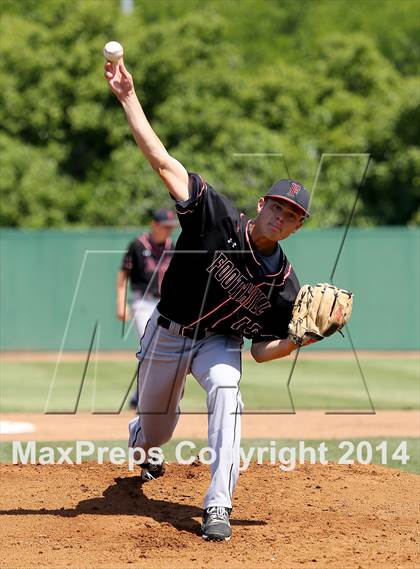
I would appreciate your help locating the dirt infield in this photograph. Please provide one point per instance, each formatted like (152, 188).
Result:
(303, 424)
(91, 516)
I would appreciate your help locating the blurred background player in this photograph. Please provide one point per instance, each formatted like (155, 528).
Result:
(144, 265)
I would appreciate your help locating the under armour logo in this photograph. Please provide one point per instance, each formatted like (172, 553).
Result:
(232, 243)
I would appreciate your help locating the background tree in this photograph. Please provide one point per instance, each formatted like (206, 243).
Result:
(219, 80)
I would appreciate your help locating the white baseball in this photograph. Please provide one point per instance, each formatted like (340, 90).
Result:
(113, 51)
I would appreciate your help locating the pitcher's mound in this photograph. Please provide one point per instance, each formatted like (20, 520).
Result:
(91, 516)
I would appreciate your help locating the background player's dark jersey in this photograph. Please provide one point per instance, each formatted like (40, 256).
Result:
(146, 263)
(215, 280)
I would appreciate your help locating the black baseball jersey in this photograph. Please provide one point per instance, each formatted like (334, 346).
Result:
(142, 264)
(215, 280)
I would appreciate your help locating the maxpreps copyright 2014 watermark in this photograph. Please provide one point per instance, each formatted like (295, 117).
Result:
(186, 452)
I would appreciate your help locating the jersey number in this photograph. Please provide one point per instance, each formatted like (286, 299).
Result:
(244, 325)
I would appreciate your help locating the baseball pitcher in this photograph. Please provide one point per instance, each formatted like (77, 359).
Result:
(228, 279)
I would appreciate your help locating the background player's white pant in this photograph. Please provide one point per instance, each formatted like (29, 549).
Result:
(215, 362)
(142, 309)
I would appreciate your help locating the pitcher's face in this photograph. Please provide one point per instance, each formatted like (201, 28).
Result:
(277, 219)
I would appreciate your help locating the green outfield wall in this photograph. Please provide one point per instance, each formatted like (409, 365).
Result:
(57, 285)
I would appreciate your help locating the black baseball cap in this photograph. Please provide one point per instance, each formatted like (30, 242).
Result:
(165, 217)
(292, 192)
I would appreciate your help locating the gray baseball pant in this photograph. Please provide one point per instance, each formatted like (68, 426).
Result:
(215, 361)
(142, 308)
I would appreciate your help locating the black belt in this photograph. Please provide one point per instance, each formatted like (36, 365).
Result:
(192, 333)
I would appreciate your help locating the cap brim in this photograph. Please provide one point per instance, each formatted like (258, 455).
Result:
(292, 202)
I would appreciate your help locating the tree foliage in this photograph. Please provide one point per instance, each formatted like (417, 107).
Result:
(242, 92)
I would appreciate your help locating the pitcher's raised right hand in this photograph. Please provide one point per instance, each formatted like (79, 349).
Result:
(119, 79)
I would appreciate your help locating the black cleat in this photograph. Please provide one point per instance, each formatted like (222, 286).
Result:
(150, 471)
(216, 526)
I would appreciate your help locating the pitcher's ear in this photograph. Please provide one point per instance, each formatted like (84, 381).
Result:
(260, 204)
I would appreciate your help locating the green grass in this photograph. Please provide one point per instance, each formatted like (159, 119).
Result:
(322, 384)
(333, 454)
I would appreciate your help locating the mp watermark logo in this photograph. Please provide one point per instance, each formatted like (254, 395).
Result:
(93, 323)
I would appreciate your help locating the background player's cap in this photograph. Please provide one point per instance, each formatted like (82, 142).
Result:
(292, 192)
(165, 217)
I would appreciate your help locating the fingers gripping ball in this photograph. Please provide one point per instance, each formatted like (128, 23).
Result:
(318, 312)
(113, 51)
